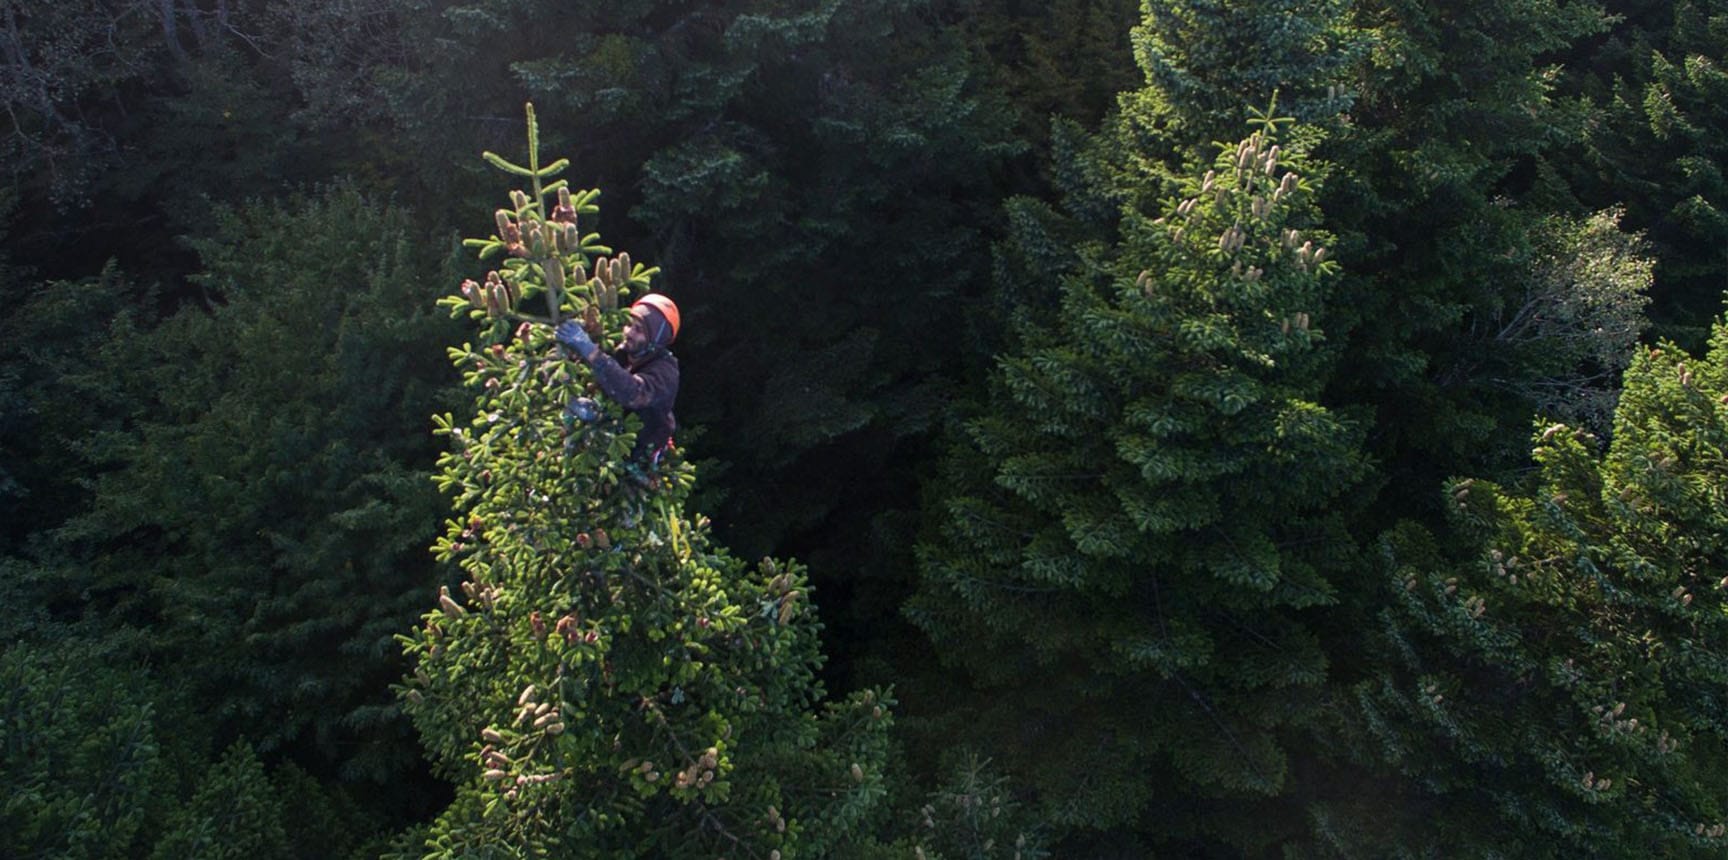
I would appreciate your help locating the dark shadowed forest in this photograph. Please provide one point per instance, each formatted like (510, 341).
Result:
(1104, 429)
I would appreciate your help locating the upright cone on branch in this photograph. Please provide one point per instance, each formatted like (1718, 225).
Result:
(565, 212)
(591, 322)
(554, 271)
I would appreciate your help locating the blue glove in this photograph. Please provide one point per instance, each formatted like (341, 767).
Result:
(572, 336)
(581, 409)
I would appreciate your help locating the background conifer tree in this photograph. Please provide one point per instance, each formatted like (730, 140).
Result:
(1139, 516)
(1657, 146)
(1558, 667)
(1206, 62)
(261, 508)
(1453, 117)
(52, 399)
(234, 813)
(605, 681)
(87, 752)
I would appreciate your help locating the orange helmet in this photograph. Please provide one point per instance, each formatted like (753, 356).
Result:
(664, 305)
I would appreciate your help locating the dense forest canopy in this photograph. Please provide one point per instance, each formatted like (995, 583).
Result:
(1105, 429)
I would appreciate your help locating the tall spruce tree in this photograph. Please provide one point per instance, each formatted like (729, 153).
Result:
(606, 682)
(1556, 673)
(1137, 523)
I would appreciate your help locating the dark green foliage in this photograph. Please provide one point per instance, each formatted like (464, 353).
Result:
(264, 509)
(828, 231)
(1055, 58)
(322, 820)
(235, 814)
(85, 756)
(973, 815)
(1143, 512)
(101, 759)
(1658, 146)
(52, 395)
(239, 810)
(1558, 669)
(1206, 63)
(1452, 116)
(46, 333)
(235, 118)
(611, 683)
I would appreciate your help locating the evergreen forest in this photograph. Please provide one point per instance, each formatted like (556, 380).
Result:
(1107, 429)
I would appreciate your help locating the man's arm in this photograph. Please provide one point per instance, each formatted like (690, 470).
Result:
(633, 391)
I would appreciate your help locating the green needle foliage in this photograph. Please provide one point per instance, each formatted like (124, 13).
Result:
(1658, 150)
(1557, 687)
(1142, 512)
(605, 681)
(262, 511)
(234, 813)
(1202, 76)
(1453, 116)
(84, 754)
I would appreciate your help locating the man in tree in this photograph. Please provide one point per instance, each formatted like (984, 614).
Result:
(642, 375)
(608, 682)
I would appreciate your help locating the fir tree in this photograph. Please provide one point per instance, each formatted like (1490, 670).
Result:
(1136, 525)
(606, 682)
(1206, 63)
(87, 754)
(1200, 78)
(262, 508)
(234, 813)
(1452, 117)
(1657, 147)
(1557, 667)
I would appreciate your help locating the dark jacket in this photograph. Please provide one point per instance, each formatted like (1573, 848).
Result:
(648, 388)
